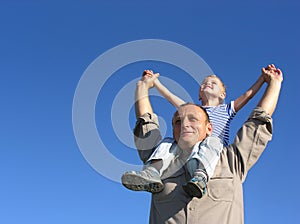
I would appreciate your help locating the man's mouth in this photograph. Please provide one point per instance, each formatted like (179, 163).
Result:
(186, 132)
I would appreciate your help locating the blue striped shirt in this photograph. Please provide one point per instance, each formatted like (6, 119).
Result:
(220, 116)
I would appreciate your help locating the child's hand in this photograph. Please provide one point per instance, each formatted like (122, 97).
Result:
(149, 78)
(272, 73)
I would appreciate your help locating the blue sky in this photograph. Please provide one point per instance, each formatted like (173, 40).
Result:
(46, 47)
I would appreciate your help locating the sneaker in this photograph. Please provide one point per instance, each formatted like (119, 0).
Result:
(145, 180)
(196, 187)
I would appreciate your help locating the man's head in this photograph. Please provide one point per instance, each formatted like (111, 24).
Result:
(190, 125)
(212, 86)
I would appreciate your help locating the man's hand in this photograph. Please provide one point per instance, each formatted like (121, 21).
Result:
(272, 73)
(148, 78)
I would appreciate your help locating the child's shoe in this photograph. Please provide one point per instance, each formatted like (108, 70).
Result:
(196, 187)
(145, 180)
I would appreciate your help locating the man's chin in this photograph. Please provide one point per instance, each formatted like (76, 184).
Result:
(186, 143)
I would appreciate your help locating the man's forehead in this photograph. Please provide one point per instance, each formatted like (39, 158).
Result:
(188, 109)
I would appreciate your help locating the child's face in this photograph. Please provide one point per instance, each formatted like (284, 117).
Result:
(212, 86)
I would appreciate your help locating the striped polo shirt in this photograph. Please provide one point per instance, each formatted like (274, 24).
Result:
(220, 116)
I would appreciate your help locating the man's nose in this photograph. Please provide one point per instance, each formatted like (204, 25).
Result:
(185, 122)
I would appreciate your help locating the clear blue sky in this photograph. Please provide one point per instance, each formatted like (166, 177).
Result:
(45, 49)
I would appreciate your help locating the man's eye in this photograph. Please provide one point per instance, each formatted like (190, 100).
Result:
(178, 122)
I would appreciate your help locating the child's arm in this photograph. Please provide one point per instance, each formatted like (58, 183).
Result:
(173, 99)
(244, 99)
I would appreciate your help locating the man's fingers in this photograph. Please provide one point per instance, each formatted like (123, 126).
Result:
(148, 72)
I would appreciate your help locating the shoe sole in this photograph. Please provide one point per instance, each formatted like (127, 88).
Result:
(138, 183)
(192, 190)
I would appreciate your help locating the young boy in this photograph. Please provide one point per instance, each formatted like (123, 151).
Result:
(204, 157)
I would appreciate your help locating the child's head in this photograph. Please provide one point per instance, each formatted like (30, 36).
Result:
(212, 86)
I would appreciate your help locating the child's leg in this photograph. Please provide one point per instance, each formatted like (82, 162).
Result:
(201, 165)
(208, 155)
(163, 155)
(149, 178)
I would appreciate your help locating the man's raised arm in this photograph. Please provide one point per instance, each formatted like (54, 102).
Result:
(142, 101)
(274, 78)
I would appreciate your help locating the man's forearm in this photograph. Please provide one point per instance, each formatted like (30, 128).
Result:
(142, 101)
(270, 97)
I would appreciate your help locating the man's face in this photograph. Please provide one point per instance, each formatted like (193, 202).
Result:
(190, 126)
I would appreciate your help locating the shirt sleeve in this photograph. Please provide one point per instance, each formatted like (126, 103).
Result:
(251, 140)
(230, 109)
(146, 135)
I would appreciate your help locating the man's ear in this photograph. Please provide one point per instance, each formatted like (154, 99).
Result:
(209, 129)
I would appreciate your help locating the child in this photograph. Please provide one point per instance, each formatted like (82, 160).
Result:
(203, 159)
